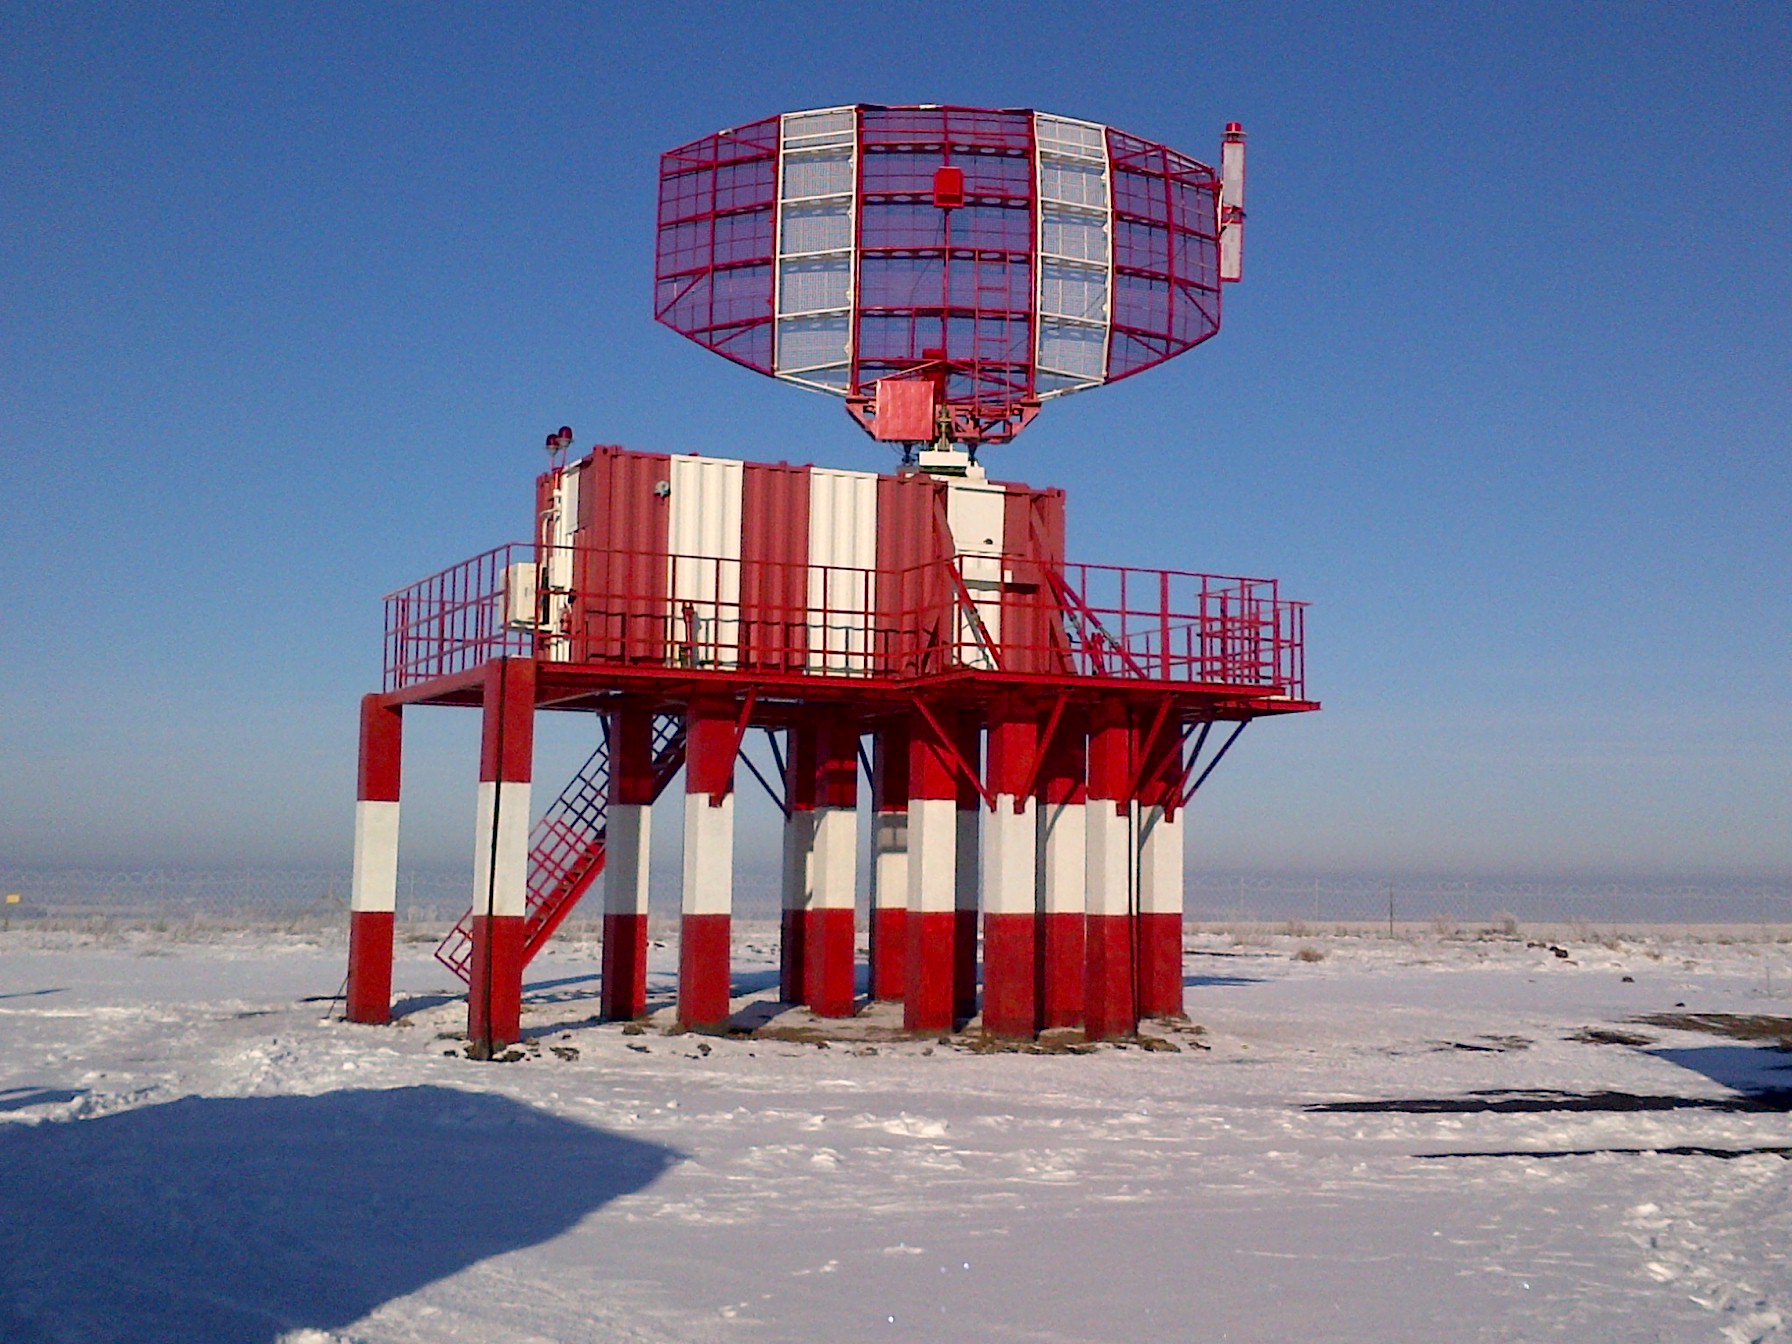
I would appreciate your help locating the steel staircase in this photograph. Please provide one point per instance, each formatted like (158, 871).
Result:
(566, 848)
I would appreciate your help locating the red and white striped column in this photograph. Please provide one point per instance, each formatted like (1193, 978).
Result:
(628, 845)
(1063, 803)
(373, 888)
(833, 872)
(501, 854)
(1109, 1006)
(967, 866)
(928, 1002)
(708, 893)
(801, 747)
(1160, 881)
(889, 860)
(1010, 867)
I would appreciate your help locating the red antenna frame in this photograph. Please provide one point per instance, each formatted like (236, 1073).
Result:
(1003, 256)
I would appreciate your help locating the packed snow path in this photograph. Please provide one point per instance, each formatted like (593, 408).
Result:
(1367, 1139)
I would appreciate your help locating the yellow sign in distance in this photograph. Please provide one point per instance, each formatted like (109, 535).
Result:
(12, 898)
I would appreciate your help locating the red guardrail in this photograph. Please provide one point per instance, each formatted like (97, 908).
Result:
(1002, 614)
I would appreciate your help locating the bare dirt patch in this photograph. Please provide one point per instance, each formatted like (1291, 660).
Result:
(1610, 1036)
(1732, 1026)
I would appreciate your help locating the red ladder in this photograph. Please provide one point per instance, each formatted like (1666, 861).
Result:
(566, 848)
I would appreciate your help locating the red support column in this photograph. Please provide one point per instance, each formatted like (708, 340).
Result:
(1063, 805)
(928, 1000)
(828, 974)
(967, 867)
(373, 889)
(1110, 1006)
(1160, 881)
(501, 855)
(1010, 924)
(889, 860)
(628, 836)
(708, 896)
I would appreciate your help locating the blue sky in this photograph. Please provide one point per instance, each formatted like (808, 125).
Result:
(291, 295)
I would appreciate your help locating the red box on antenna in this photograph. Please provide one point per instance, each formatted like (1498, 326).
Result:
(905, 411)
(948, 187)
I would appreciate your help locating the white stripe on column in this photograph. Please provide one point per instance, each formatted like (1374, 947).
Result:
(1063, 858)
(1009, 866)
(374, 884)
(628, 841)
(708, 855)
(932, 855)
(834, 858)
(505, 866)
(799, 858)
(1160, 864)
(889, 860)
(1109, 853)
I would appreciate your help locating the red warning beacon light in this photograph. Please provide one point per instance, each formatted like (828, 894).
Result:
(945, 270)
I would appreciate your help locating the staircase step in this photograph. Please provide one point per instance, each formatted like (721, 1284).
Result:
(566, 849)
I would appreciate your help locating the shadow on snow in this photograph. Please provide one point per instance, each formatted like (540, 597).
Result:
(18, 1098)
(1758, 1070)
(1759, 1078)
(1543, 1101)
(234, 1220)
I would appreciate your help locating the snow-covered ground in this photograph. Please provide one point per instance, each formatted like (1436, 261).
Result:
(1422, 1138)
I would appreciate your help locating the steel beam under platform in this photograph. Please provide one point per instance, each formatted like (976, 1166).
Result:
(1066, 841)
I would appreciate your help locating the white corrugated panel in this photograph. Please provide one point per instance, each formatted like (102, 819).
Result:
(703, 536)
(557, 565)
(1076, 270)
(817, 194)
(842, 559)
(976, 512)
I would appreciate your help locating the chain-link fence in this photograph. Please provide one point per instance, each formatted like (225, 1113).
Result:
(1491, 903)
(298, 900)
(431, 899)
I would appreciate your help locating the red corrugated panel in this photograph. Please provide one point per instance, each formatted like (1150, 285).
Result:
(1033, 638)
(774, 559)
(620, 572)
(912, 550)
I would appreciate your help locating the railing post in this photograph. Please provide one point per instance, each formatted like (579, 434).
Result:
(1163, 618)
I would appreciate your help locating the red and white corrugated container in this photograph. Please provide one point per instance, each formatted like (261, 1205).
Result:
(714, 563)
